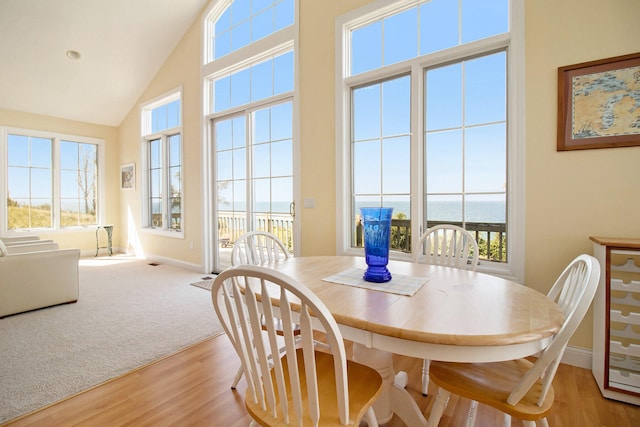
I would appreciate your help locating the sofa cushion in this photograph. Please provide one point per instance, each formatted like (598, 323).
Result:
(3, 249)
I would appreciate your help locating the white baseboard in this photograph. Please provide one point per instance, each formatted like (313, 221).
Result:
(576, 356)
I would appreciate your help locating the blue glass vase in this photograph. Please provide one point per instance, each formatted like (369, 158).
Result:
(377, 229)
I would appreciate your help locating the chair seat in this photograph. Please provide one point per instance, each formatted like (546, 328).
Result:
(280, 328)
(491, 384)
(365, 384)
(521, 388)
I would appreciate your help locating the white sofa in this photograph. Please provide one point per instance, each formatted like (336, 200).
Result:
(22, 240)
(37, 275)
(7, 240)
(30, 246)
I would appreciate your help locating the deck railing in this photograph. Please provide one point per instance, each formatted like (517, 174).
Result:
(491, 237)
(231, 226)
(176, 221)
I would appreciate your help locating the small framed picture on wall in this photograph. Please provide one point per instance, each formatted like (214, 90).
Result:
(128, 176)
(599, 104)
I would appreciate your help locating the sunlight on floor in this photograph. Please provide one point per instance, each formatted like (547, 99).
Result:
(106, 260)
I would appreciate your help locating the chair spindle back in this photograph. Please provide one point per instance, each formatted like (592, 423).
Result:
(238, 296)
(573, 291)
(258, 247)
(447, 245)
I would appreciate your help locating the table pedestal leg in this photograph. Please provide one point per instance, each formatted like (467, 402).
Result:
(394, 398)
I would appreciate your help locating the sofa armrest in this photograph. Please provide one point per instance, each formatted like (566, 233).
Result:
(32, 247)
(25, 242)
(38, 279)
(8, 240)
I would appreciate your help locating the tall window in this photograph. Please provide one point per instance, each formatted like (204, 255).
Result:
(52, 180)
(163, 148)
(249, 79)
(426, 127)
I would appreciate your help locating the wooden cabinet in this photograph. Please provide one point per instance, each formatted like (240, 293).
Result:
(616, 319)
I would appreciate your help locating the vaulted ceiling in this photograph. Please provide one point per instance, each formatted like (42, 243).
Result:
(122, 43)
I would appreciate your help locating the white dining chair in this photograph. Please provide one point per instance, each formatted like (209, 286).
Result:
(447, 245)
(258, 247)
(451, 246)
(254, 248)
(521, 388)
(304, 386)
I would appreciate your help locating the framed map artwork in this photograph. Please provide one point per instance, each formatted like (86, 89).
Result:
(599, 104)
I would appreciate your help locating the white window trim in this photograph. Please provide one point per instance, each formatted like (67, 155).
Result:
(57, 137)
(268, 46)
(243, 65)
(514, 42)
(145, 124)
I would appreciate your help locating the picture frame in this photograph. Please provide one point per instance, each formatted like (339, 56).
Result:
(128, 176)
(599, 104)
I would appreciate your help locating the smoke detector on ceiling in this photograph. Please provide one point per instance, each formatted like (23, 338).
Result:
(73, 54)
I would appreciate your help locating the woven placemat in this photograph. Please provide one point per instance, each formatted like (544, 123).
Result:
(399, 283)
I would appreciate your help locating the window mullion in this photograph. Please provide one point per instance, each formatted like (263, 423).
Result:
(166, 182)
(464, 140)
(56, 183)
(249, 171)
(381, 133)
(417, 148)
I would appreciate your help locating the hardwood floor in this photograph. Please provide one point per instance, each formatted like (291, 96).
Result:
(192, 388)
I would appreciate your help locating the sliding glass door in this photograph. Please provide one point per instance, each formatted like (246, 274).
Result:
(253, 176)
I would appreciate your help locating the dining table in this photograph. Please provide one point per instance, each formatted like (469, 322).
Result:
(428, 312)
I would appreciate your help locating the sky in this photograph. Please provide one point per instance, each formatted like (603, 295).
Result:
(465, 107)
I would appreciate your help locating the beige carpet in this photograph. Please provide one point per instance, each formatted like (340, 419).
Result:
(129, 314)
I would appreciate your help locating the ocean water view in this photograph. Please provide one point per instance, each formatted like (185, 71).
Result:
(475, 211)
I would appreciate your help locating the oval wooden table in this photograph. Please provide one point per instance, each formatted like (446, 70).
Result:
(456, 315)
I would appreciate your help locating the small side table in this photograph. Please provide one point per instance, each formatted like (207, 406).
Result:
(109, 230)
